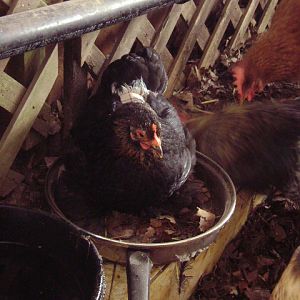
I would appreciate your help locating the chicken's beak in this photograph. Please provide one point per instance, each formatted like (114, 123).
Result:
(157, 151)
(154, 145)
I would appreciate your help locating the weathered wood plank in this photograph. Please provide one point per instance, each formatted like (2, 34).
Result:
(27, 111)
(211, 49)
(119, 285)
(267, 15)
(205, 261)
(140, 28)
(163, 34)
(156, 271)
(166, 285)
(109, 270)
(263, 3)
(243, 24)
(40, 128)
(3, 64)
(11, 92)
(188, 10)
(95, 60)
(188, 43)
(87, 44)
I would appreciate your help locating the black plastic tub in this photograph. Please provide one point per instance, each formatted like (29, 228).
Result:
(45, 258)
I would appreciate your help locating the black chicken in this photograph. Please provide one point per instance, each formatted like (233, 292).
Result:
(257, 144)
(136, 149)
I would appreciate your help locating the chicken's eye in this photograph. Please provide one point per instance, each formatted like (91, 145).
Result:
(140, 133)
(137, 134)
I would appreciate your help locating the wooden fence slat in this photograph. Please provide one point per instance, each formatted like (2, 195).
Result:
(95, 60)
(119, 286)
(203, 37)
(211, 50)
(3, 64)
(11, 92)
(156, 271)
(236, 13)
(188, 42)
(166, 285)
(27, 111)
(263, 3)
(139, 27)
(163, 34)
(188, 10)
(109, 269)
(243, 24)
(267, 15)
(87, 43)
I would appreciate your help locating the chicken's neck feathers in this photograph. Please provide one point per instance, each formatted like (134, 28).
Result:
(135, 92)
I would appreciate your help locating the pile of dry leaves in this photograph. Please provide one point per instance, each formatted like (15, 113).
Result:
(253, 262)
(188, 212)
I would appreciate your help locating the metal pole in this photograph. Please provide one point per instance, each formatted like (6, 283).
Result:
(36, 28)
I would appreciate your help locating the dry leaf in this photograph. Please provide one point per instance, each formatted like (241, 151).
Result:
(169, 218)
(155, 223)
(207, 219)
(169, 231)
(125, 233)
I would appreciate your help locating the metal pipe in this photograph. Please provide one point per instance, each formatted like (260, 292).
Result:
(36, 28)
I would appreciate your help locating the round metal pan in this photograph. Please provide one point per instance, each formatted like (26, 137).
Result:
(144, 254)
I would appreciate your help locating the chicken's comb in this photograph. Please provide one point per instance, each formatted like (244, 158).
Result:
(238, 73)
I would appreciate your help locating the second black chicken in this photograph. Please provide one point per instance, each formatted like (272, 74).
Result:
(136, 149)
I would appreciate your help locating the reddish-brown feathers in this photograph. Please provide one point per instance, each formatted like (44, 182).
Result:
(275, 56)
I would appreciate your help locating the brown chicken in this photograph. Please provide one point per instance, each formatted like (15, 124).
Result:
(257, 144)
(288, 287)
(275, 56)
